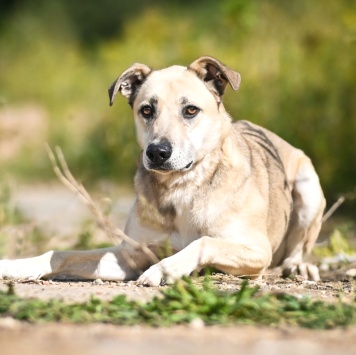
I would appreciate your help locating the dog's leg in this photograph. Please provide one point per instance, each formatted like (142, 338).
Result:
(116, 263)
(122, 262)
(309, 204)
(100, 263)
(226, 255)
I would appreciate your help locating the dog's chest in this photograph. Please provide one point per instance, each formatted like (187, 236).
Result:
(189, 216)
(185, 230)
(183, 208)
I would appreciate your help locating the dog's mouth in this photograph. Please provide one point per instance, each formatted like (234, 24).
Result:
(164, 169)
(188, 166)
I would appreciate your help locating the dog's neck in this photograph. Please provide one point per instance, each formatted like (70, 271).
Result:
(169, 195)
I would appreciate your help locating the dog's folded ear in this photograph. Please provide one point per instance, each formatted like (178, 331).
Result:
(129, 82)
(215, 74)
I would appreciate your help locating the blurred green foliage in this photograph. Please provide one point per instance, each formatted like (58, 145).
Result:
(18, 236)
(297, 60)
(185, 302)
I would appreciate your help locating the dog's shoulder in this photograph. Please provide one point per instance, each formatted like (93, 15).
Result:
(260, 143)
(255, 133)
(268, 143)
(274, 146)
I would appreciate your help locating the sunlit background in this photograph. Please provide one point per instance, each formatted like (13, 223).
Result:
(297, 60)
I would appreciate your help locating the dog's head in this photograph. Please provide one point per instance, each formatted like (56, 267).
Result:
(178, 112)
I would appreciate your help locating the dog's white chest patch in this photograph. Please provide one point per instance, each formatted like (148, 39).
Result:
(185, 230)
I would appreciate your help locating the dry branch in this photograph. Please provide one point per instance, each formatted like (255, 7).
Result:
(61, 169)
(333, 208)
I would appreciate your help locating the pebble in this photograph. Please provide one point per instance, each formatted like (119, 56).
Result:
(98, 282)
(308, 282)
(9, 323)
(324, 267)
(351, 272)
(197, 323)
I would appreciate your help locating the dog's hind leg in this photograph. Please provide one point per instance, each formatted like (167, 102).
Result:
(305, 224)
(116, 263)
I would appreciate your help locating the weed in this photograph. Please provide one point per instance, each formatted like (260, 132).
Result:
(85, 240)
(18, 236)
(339, 242)
(8, 213)
(184, 302)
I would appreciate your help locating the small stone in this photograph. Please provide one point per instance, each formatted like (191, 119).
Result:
(299, 278)
(98, 282)
(308, 282)
(260, 283)
(9, 323)
(197, 323)
(324, 267)
(351, 272)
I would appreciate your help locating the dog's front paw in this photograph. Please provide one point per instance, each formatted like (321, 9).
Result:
(166, 271)
(154, 276)
(306, 270)
(172, 268)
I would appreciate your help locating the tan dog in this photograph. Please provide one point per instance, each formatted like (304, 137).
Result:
(234, 196)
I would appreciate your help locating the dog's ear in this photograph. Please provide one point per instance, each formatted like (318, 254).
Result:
(215, 74)
(129, 82)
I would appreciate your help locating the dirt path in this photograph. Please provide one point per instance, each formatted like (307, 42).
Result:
(326, 290)
(59, 339)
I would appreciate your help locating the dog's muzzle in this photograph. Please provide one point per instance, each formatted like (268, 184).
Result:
(159, 157)
(159, 153)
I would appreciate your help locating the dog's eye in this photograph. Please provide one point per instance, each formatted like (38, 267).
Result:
(190, 111)
(147, 111)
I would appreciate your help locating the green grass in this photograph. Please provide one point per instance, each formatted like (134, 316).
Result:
(15, 229)
(341, 241)
(184, 302)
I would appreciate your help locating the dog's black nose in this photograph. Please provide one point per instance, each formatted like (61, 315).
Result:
(159, 153)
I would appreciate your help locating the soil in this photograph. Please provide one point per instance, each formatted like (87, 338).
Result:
(22, 338)
(58, 339)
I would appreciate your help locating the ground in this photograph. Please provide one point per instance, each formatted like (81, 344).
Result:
(329, 290)
(102, 339)
(18, 337)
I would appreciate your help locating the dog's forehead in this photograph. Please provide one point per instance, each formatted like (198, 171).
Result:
(175, 71)
(173, 82)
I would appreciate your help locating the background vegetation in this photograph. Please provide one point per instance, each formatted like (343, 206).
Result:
(57, 58)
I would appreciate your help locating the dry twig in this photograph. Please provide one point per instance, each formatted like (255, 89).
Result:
(333, 208)
(61, 169)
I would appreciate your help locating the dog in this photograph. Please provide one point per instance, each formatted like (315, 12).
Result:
(233, 196)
